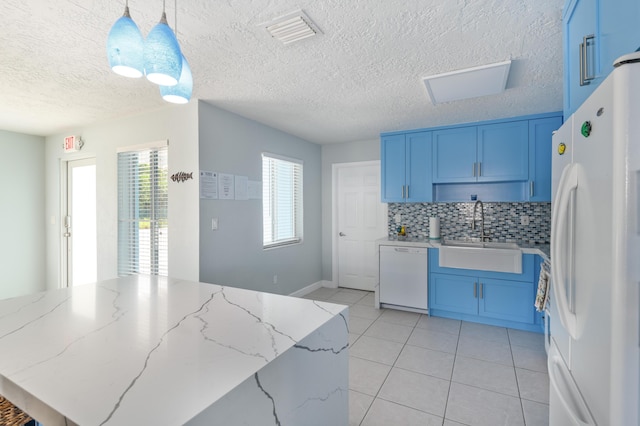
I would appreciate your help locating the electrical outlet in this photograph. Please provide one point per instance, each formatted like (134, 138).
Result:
(214, 224)
(524, 220)
(275, 279)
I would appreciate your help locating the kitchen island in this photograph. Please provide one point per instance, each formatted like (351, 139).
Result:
(155, 350)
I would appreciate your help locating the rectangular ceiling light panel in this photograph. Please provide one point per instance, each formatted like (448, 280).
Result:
(468, 83)
(292, 27)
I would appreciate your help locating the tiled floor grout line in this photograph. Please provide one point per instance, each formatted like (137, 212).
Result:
(513, 359)
(453, 367)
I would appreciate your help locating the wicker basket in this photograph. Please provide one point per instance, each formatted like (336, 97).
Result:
(10, 415)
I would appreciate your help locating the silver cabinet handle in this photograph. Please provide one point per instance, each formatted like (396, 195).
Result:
(479, 169)
(474, 169)
(475, 290)
(407, 192)
(342, 234)
(481, 286)
(530, 189)
(585, 77)
(403, 192)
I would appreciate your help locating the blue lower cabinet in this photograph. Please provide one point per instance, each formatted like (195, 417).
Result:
(493, 298)
(506, 300)
(453, 293)
(484, 297)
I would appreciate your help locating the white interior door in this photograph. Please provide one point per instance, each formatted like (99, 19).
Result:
(361, 220)
(79, 234)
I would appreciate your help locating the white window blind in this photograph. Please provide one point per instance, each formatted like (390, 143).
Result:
(142, 212)
(281, 200)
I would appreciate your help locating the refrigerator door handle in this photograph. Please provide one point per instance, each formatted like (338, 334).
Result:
(568, 183)
(567, 391)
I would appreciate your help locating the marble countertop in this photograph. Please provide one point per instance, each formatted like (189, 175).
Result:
(143, 349)
(539, 249)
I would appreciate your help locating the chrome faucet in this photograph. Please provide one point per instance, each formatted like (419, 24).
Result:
(483, 237)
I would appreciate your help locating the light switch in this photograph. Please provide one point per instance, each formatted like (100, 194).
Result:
(214, 224)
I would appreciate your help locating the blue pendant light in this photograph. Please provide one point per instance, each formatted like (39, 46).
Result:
(162, 56)
(125, 46)
(181, 92)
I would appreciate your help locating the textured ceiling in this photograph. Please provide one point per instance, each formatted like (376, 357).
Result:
(361, 77)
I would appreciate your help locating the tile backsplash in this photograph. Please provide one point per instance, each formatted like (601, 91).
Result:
(502, 221)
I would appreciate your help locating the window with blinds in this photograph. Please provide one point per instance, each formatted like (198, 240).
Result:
(281, 200)
(143, 200)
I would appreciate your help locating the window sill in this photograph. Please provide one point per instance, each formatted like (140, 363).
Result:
(281, 244)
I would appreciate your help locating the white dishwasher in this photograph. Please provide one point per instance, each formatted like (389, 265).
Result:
(404, 278)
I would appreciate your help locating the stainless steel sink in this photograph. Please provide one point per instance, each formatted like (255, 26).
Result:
(485, 256)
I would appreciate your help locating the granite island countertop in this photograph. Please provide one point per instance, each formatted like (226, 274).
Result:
(155, 350)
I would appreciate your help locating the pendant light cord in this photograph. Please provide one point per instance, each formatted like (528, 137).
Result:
(175, 19)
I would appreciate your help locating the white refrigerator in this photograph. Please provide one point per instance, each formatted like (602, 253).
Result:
(594, 351)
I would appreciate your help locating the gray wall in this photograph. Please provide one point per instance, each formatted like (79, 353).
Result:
(22, 252)
(233, 254)
(350, 152)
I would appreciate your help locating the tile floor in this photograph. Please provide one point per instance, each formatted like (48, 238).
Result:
(411, 369)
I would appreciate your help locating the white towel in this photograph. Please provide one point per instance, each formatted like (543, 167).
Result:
(543, 290)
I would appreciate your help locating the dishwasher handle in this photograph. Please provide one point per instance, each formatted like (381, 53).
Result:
(404, 250)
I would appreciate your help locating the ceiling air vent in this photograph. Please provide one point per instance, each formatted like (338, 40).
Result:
(468, 83)
(292, 27)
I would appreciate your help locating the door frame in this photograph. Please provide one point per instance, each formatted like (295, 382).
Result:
(64, 188)
(335, 167)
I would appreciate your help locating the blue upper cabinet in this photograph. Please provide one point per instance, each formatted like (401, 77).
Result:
(491, 153)
(393, 155)
(454, 155)
(500, 160)
(418, 173)
(406, 171)
(581, 53)
(503, 152)
(540, 134)
(595, 34)
(619, 30)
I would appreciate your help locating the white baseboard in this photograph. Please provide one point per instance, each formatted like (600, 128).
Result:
(313, 287)
(308, 289)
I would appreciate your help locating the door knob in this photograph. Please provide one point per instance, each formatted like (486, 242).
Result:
(342, 234)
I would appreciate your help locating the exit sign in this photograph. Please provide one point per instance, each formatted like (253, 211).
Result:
(72, 143)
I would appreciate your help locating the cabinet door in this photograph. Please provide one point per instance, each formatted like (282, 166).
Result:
(540, 134)
(506, 300)
(619, 31)
(454, 155)
(453, 293)
(580, 20)
(503, 152)
(393, 157)
(418, 174)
